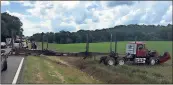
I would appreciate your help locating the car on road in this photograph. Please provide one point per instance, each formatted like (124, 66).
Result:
(4, 56)
(3, 45)
(3, 60)
(18, 42)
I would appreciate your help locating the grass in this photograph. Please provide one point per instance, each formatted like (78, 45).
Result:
(39, 70)
(124, 74)
(145, 75)
(75, 70)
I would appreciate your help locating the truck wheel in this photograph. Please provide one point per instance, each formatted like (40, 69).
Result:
(152, 61)
(121, 62)
(5, 66)
(110, 61)
(103, 59)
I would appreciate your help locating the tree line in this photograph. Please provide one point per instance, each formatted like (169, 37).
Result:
(10, 26)
(119, 33)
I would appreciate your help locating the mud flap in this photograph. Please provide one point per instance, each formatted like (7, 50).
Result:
(166, 56)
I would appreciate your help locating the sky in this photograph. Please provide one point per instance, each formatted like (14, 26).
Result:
(54, 16)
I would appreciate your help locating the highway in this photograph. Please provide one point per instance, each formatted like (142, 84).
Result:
(7, 76)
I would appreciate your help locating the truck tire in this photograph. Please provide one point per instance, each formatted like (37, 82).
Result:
(103, 59)
(152, 61)
(110, 61)
(5, 66)
(120, 61)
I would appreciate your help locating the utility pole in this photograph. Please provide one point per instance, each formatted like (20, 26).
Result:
(87, 47)
(12, 39)
(135, 38)
(110, 41)
(115, 44)
(20, 40)
(87, 44)
(42, 40)
(111, 44)
(47, 41)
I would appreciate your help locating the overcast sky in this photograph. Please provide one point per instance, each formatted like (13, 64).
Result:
(53, 16)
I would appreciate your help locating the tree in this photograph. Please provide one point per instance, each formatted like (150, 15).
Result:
(10, 23)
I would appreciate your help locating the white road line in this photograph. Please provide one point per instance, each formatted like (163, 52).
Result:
(18, 71)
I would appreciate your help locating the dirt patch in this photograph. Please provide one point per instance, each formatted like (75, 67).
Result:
(60, 76)
(39, 77)
(55, 61)
(57, 73)
(59, 60)
(60, 63)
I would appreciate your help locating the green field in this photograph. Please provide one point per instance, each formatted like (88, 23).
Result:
(160, 46)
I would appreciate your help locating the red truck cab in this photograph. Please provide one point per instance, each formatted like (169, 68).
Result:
(140, 49)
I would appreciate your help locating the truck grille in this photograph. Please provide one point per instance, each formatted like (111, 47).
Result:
(140, 60)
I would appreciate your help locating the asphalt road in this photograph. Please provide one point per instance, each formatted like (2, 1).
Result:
(13, 64)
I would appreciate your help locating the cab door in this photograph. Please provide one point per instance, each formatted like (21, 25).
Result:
(2, 58)
(141, 51)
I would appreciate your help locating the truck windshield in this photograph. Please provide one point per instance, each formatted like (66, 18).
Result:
(140, 47)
